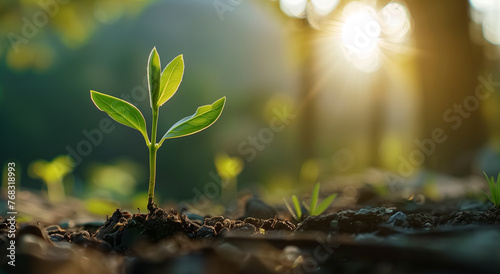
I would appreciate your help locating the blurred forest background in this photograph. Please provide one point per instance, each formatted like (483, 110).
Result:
(315, 89)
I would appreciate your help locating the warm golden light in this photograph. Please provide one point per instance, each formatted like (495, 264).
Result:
(487, 13)
(361, 31)
(294, 8)
(482, 5)
(324, 7)
(395, 22)
(227, 167)
(491, 26)
(360, 34)
(367, 33)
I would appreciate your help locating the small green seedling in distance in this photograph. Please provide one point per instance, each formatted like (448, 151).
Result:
(494, 196)
(162, 86)
(314, 208)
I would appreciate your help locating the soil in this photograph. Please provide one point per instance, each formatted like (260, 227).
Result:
(404, 237)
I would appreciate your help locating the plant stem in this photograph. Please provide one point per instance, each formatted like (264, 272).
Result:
(152, 160)
(55, 190)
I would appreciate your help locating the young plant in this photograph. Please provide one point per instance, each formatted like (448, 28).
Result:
(162, 86)
(297, 214)
(314, 208)
(494, 196)
(228, 169)
(52, 174)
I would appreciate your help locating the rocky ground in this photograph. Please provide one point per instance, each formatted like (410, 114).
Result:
(455, 237)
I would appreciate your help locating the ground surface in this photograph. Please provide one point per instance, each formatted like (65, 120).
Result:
(403, 237)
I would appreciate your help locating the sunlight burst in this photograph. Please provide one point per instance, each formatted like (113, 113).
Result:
(360, 35)
(365, 31)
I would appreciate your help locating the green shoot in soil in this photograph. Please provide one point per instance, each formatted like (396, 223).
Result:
(314, 208)
(162, 86)
(494, 196)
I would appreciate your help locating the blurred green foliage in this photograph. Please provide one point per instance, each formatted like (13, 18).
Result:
(223, 61)
(31, 25)
(52, 174)
(254, 57)
(494, 187)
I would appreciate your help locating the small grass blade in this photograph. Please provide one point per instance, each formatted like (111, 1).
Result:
(324, 204)
(314, 199)
(497, 190)
(494, 187)
(298, 210)
(290, 209)
(488, 196)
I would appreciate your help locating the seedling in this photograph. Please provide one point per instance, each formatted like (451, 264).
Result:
(162, 86)
(52, 174)
(297, 214)
(314, 208)
(228, 169)
(494, 196)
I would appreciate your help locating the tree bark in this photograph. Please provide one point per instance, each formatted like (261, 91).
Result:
(449, 65)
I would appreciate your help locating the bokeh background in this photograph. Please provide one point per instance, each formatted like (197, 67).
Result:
(354, 85)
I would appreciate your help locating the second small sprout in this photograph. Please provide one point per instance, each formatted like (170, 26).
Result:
(314, 208)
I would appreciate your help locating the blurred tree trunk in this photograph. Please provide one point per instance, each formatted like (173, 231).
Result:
(378, 118)
(449, 65)
(307, 129)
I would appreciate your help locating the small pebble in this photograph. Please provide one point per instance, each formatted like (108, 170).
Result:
(289, 256)
(30, 244)
(258, 209)
(334, 225)
(56, 237)
(397, 219)
(362, 211)
(195, 218)
(205, 232)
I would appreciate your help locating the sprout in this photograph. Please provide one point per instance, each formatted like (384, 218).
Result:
(52, 174)
(494, 196)
(162, 86)
(314, 208)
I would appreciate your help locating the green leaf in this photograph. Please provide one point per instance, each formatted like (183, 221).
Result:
(298, 210)
(154, 75)
(314, 198)
(121, 111)
(324, 204)
(290, 209)
(494, 187)
(171, 78)
(497, 192)
(488, 196)
(204, 117)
